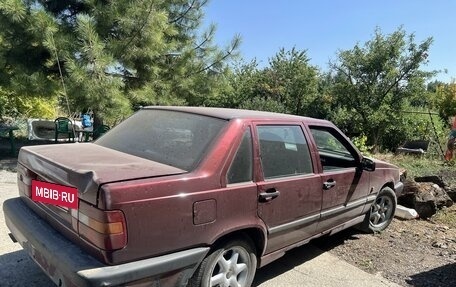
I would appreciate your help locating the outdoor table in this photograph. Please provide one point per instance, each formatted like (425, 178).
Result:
(83, 133)
(9, 130)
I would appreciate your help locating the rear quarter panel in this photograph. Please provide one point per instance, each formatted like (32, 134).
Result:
(168, 214)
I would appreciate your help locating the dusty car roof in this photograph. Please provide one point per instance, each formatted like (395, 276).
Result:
(228, 114)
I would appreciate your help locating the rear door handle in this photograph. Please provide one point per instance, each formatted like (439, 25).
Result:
(268, 195)
(329, 184)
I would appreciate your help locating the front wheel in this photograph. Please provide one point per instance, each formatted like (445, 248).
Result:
(234, 264)
(381, 212)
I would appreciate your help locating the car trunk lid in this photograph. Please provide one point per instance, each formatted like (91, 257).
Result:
(87, 166)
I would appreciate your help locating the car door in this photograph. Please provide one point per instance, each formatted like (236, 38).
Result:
(289, 190)
(345, 185)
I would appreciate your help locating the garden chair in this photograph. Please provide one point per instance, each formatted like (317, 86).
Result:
(64, 126)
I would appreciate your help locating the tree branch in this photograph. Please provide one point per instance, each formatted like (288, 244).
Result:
(347, 74)
(202, 43)
(136, 33)
(228, 53)
(182, 15)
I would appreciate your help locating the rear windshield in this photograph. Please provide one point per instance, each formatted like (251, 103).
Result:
(174, 138)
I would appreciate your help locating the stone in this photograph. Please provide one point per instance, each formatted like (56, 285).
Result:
(440, 244)
(431, 178)
(425, 197)
(451, 191)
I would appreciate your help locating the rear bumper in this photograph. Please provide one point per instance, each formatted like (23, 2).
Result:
(67, 265)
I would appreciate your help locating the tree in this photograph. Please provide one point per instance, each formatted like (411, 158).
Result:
(112, 55)
(374, 81)
(445, 100)
(289, 84)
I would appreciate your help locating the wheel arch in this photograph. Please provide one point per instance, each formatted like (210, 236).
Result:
(389, 184)
(255, 235)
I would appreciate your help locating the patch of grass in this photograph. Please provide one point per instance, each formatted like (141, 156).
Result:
(446, 216)
(423, 166)
(366, 264)
(428, 166)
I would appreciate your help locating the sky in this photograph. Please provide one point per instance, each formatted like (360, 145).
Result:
(325, 27)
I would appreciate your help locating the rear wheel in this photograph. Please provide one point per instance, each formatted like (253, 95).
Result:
(381, 212)
(233, 264)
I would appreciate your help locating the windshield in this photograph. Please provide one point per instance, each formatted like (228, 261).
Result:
(174, 138)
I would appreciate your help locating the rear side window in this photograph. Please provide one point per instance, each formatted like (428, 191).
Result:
(283, 151)
(241, 167)
(173, 138)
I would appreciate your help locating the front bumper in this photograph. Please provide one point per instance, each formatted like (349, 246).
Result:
(398, 188)
(68, 265)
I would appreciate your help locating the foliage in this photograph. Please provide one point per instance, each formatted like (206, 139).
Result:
(361, 143)
(415, 123)
(263, 104)
(289, 84)
(113, 55)
(14, 106)
(373, 81)
(422, 166)
(445, 100)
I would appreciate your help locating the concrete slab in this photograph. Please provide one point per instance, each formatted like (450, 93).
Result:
(310, 266)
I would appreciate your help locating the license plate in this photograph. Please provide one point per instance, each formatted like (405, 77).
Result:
(56, 194)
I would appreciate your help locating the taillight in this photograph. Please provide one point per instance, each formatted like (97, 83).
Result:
(105, 229)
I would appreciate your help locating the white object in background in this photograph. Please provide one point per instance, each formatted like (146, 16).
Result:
(405, 213)
(39, 129)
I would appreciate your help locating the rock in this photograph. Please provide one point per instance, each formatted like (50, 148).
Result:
(441, 197)
(432, 178)
(407, 197)
(451, 191)
(424, 204)
(439, 244)
(425, 197)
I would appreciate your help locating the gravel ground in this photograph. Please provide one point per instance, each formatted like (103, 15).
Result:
(410, 253)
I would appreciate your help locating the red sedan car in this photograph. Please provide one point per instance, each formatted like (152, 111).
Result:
(188, 196)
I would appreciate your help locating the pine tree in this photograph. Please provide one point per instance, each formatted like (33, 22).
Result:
(112, 55)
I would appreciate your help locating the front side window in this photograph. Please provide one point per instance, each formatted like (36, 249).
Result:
(173, 138)
(334, 151)
(283, 151)
(241, 167)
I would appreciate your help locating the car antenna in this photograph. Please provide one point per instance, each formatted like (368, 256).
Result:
(62, 80)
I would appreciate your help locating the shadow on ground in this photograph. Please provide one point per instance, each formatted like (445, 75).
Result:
(17, 269)
(290, 260)
(327, 243)
(444, 275)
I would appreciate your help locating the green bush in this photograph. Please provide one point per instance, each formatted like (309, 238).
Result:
(27, 107)
(361, 143)
(416, 124)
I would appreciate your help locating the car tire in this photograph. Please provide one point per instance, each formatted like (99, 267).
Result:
(381, 212)
(233, 264)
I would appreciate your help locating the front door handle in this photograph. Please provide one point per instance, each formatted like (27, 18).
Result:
(268, 195)
(329, 184)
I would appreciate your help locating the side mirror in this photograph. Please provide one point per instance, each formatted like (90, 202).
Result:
(367, 164)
